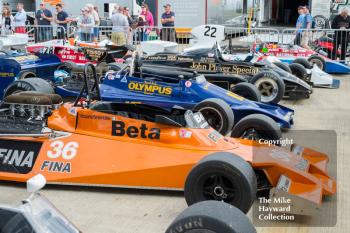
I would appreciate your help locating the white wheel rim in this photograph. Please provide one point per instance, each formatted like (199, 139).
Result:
(268, 89)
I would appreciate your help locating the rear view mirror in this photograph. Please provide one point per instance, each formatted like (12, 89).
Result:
(36, 183)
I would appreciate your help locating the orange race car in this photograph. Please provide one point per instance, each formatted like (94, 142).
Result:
(139, 146)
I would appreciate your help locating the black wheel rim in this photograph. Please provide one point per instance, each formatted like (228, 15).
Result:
(213, 117)
(218, 187)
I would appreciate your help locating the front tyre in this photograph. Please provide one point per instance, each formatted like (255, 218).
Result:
(247, 90)
(270, 86)
(217, 113)
(317, 60)
(299, 71)
(256, 127)
(222, 177)
(211, 217)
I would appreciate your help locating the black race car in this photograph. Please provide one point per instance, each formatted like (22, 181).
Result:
(272, 82)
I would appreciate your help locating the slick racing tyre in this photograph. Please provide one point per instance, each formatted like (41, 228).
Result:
(270, 86)
(282, 66)
(247, 90)
(26, 74)
(299, 71)
(214, 216)
(319, 61)
(29, 84)
(256, 127)
(303, 62)
(218, 114)
(222, 177)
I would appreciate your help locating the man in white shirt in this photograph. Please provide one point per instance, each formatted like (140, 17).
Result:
(20, 19)
(94, 14)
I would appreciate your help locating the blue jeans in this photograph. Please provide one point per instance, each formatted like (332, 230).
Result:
(85, 36)
(44, 34)
(96, 32)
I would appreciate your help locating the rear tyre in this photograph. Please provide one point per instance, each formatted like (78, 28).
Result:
(26, 74)
(29, 84)
(303, 62)
(218, 114)
(319, 61)
(247, 90)
(214, 217)
(270, 86)
(283, 66)
(299, 71)
(222, 177)
(255, 127)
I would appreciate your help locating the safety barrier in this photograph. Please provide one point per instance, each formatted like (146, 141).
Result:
(41, 33)
(332, 43)
(329, 42)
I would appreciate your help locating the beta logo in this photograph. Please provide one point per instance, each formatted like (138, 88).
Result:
(119, 130)
(149, 88)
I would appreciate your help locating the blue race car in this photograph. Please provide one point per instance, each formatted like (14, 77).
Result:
(169, 89)
(22, 66)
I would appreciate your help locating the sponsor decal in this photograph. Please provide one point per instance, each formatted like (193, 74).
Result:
(215, 136)
(124, 79)
(7, 75)
(18, 156)
(26, 58)
(110, 76)
(233, 95)
(284, 183)
(94, 117)
(73, 111)
(59, 149)
(150, 88)
(60, 167)
(185, 133)
(188, 84)
(169, 58)
(226, 69)
(95, 54)
(119, 129)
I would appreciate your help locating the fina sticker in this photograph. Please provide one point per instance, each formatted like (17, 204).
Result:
(188, 84)
(185, 133)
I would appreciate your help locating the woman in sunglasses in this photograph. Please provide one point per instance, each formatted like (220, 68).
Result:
(148, 21)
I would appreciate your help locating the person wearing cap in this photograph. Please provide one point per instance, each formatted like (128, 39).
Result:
(307, 26)
(341, 23)
(20, 19)
(43, 18)
(299, 26)
(86, 24)
(168, 22)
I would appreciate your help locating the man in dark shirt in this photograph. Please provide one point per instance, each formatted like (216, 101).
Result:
(62, 21)
(43, 21)
(341, 23)
(168, 23)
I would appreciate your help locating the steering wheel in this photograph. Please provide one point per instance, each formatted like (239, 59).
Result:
(85, 89)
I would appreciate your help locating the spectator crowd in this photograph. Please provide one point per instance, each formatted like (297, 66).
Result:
(88, 23)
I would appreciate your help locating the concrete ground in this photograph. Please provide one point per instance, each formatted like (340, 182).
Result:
(132, 211)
